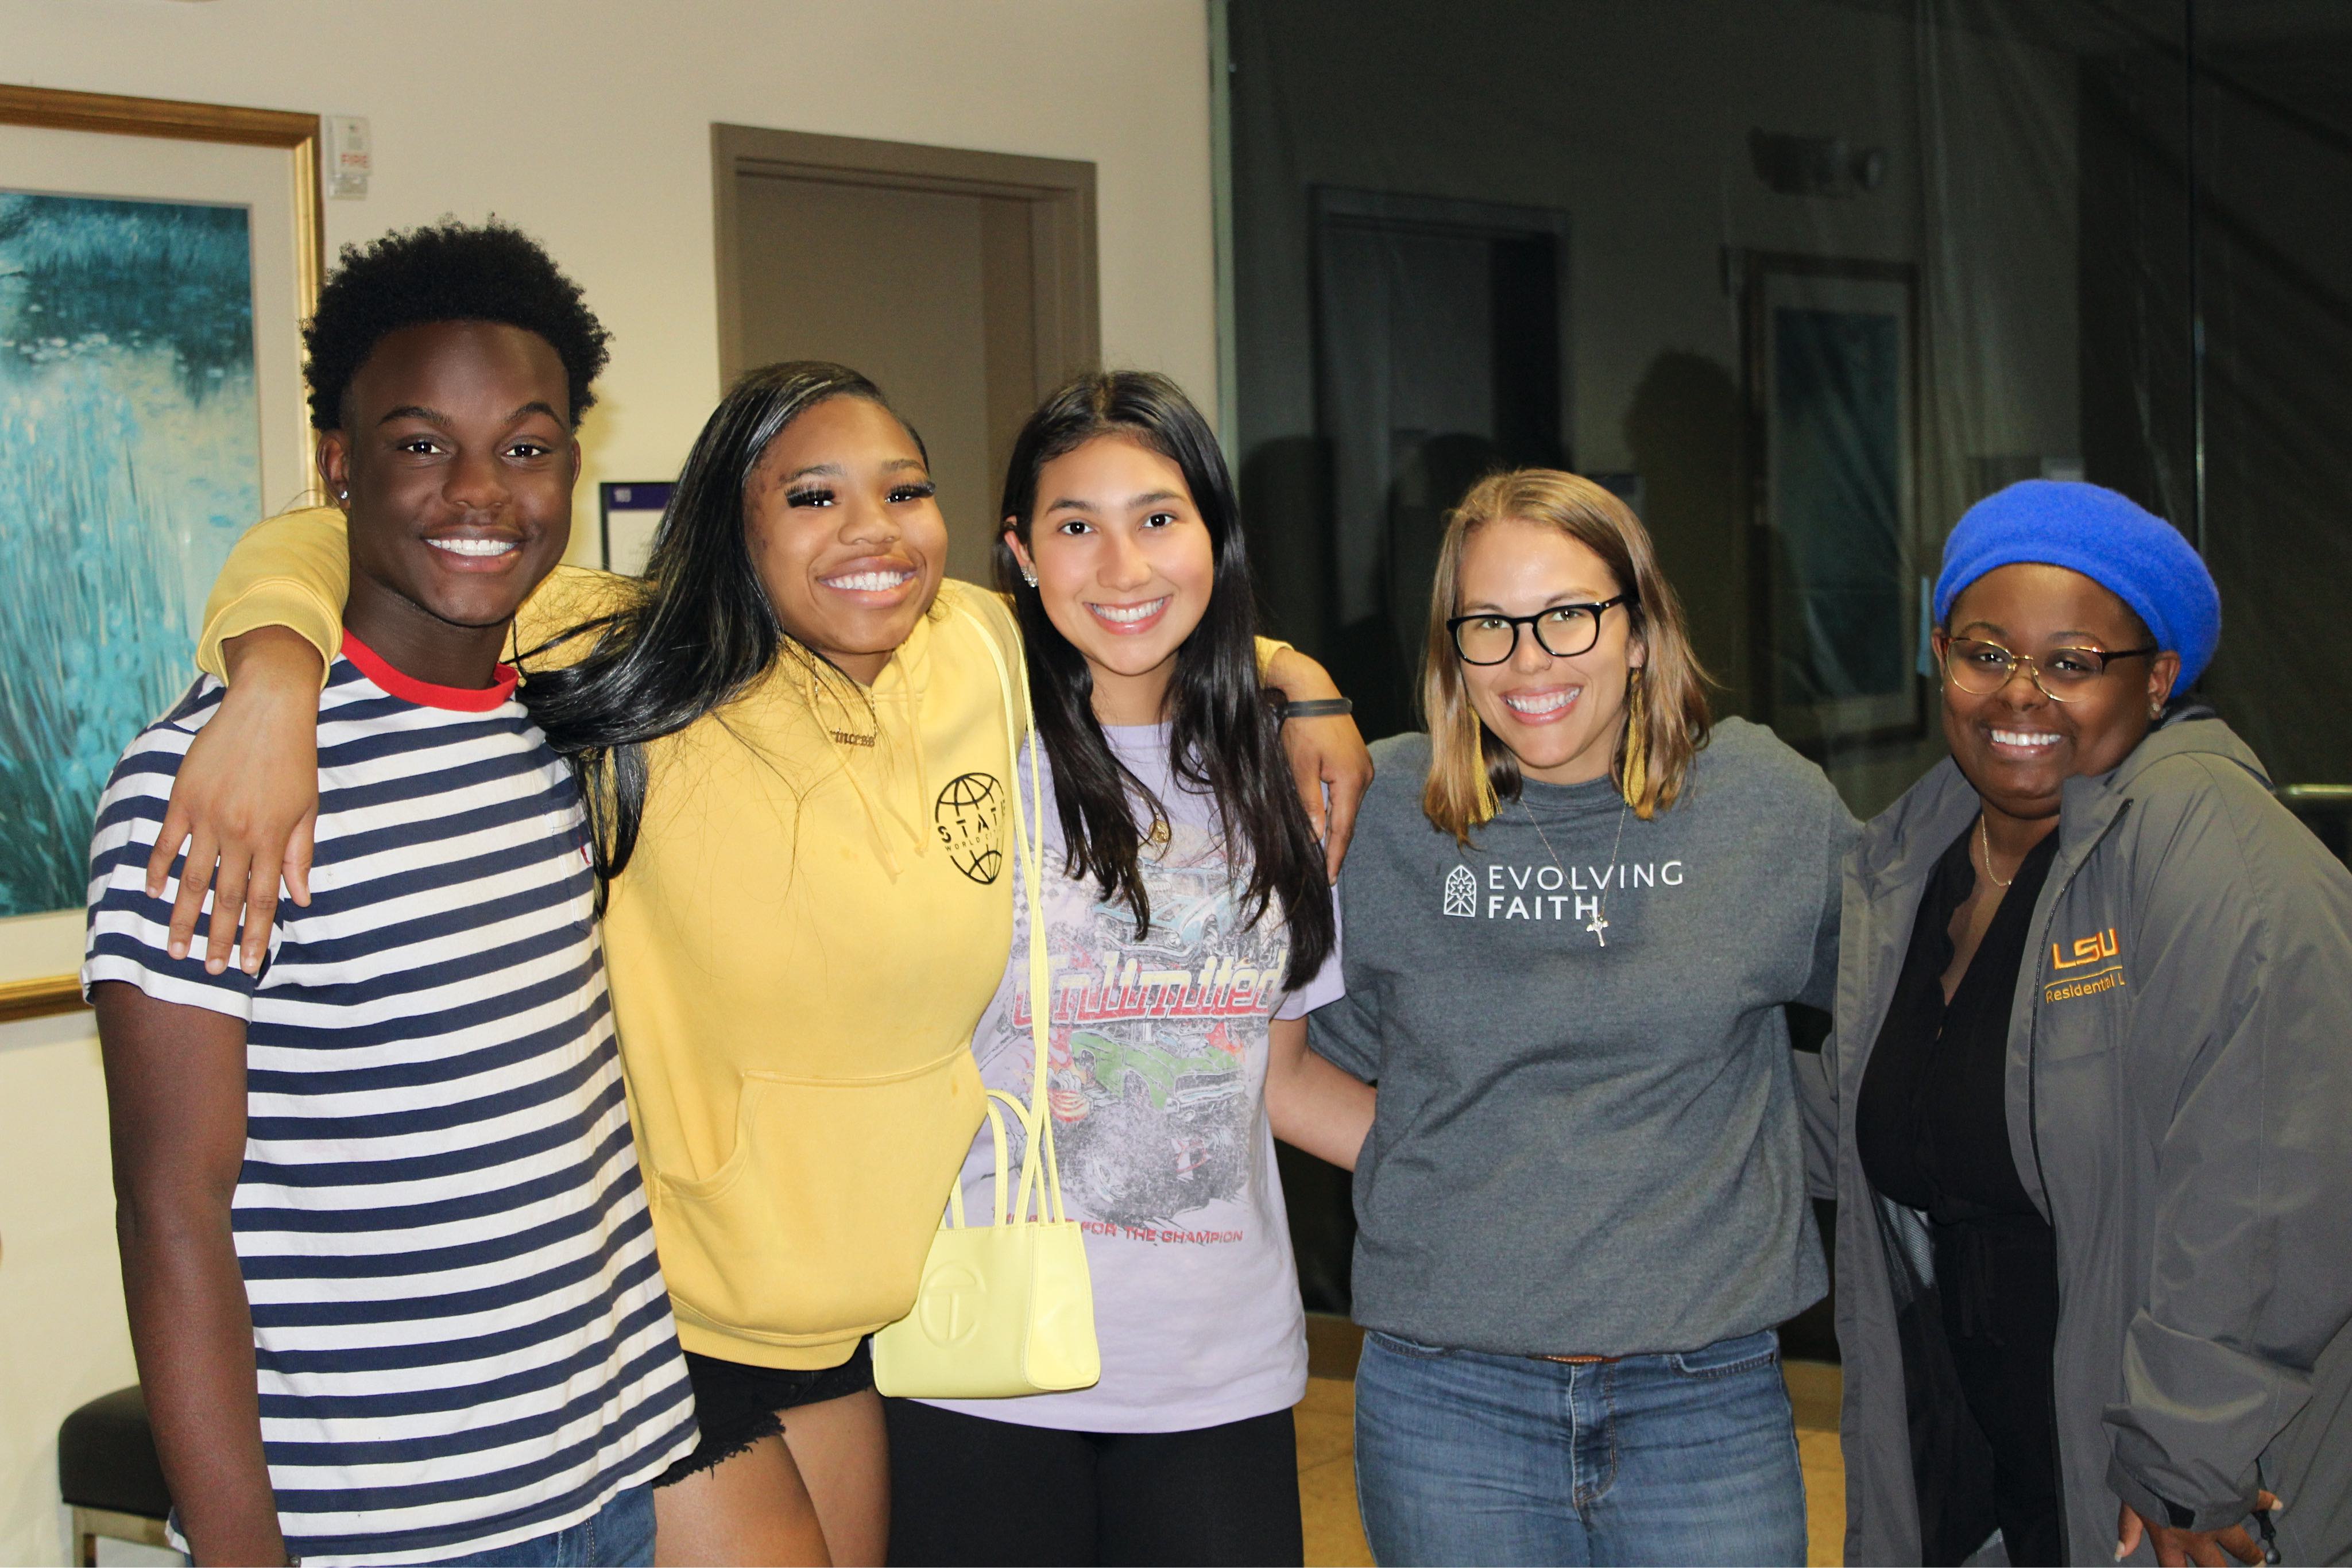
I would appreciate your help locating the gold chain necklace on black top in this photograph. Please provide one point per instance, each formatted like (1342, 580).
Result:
(1599, 924)
(1985, 844)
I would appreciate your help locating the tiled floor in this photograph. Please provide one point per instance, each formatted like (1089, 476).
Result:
(1327, 1470)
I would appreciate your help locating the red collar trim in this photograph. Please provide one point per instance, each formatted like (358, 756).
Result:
(408, 688)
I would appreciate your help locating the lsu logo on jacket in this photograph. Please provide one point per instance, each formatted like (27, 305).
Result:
(2094, 966)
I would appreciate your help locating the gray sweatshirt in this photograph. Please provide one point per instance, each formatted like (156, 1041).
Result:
(1586, 1141)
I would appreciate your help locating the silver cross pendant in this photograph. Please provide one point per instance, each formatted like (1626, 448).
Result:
(1597, 926)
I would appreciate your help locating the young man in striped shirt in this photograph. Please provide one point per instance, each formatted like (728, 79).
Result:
(390, 1273)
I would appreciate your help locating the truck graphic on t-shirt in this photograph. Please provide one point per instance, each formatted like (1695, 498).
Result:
(1161, 1077)
(1156, 1037)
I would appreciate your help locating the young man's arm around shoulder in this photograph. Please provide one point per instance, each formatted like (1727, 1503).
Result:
(175, 1108)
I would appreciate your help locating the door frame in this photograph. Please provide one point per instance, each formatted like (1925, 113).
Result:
(1396, 211)
(1059, 193)
(1404, 212)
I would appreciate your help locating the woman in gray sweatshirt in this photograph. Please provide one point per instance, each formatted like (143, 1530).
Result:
(1575, 910)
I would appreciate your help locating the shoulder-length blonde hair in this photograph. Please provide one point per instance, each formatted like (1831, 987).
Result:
(1471, 771)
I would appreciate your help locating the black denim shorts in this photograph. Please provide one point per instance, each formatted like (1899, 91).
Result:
(736, 1404)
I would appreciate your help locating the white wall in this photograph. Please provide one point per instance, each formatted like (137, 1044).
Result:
(62, 1337)
(587, 123)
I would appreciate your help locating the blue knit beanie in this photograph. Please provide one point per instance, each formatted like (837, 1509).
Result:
(2135, 554)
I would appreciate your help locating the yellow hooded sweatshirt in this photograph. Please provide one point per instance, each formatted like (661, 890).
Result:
(818, 910)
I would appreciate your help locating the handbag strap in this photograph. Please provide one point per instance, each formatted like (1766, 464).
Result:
(996, 1137)
(1029, 856)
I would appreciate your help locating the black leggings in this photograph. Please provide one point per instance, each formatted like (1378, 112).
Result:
(967, 1493)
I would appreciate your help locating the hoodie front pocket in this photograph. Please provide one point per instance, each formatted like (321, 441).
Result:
(818, 1224)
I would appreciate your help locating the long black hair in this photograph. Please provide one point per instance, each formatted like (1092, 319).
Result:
(1224, 740)
(702, 627)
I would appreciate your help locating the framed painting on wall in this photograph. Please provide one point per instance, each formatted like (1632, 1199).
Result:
(156, 261)
(1831, 363)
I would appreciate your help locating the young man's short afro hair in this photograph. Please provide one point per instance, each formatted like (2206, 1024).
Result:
(445, 272)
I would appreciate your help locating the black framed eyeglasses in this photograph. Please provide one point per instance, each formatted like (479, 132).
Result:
(1564, 631)
(2064, 675)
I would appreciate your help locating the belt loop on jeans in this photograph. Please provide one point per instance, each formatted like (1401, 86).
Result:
(1578, 1360)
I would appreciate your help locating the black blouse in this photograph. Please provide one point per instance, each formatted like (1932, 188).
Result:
(1932, 1126)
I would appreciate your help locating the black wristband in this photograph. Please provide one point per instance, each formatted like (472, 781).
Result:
(1316, 708)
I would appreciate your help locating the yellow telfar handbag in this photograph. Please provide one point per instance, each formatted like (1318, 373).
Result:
(1006, 1308)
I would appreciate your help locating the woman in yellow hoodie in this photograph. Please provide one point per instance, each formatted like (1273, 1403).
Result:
(793, 734)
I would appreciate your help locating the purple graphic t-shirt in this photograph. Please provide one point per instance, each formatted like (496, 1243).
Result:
(1156, 1075)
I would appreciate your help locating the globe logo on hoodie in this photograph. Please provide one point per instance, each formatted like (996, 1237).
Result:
(969, 817)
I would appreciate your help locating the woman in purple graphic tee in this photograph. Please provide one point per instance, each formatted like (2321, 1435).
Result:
(1190, 928)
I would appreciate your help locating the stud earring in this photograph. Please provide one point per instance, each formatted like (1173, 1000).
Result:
(343, 494)
(1029, 576)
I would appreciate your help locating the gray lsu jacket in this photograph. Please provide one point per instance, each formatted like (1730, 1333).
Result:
(2179, 1092)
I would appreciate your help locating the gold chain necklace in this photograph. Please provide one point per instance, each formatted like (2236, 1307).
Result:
(1985, 844)
(1599, 924)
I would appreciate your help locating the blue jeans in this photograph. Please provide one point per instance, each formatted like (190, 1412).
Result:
(618, 1535)
(1463, 1456)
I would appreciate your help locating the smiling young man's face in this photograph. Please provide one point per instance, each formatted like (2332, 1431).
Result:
(2016, 744)
(457, 460)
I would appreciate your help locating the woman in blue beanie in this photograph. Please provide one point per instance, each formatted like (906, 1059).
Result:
(2087, 1110)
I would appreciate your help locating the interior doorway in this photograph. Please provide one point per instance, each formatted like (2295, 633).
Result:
(1438, 349)
(962, 283)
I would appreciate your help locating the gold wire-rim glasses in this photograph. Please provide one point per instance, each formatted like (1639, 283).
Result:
(1967, 660)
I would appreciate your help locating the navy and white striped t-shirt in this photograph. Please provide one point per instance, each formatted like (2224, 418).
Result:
(460, 1326)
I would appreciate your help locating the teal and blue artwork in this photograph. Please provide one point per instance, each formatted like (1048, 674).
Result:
(130, 461)
(1838, 502)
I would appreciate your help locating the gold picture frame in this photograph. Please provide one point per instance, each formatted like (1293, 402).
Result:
(289, 262)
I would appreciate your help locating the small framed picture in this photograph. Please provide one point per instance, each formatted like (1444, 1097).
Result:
(1832, 444)
(629, 513)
